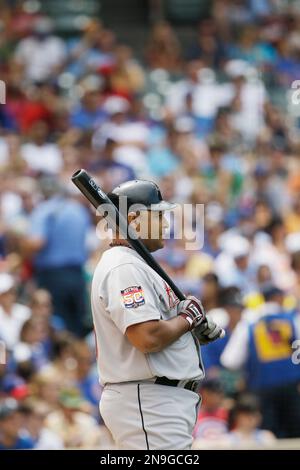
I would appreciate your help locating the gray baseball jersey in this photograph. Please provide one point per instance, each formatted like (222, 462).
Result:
(126, 291)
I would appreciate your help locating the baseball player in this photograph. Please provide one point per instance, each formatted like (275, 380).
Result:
(148, 341)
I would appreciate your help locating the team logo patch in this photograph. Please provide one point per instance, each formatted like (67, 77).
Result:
(133, 297)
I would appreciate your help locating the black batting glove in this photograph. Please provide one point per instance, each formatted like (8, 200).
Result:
(191, 309)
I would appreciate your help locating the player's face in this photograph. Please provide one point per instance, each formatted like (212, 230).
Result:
(151, 228)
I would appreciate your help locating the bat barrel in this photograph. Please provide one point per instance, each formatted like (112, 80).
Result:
(88, 187)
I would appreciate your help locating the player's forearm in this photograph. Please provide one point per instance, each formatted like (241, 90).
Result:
(165, 332)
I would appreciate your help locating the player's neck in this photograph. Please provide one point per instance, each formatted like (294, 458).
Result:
(119, 242)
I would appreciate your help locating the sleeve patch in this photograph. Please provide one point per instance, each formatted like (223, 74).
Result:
(133, 297)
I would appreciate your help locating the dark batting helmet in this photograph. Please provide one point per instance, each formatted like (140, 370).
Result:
(141, 192)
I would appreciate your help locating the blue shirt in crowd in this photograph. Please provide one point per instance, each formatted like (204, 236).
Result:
(270, 361)
(63, 224)
(85, 119)
(19, 444)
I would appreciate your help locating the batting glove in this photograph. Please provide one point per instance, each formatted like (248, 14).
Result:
(208, 332)
(191, 309)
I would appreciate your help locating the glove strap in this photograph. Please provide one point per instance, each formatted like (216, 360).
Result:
(187, 318)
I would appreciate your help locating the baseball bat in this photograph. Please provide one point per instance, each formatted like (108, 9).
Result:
(97, 197)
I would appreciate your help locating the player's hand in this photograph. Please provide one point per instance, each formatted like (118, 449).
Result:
(208, 331)
(192, 310)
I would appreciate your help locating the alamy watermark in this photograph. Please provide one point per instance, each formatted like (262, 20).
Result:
(294, 99)
(2, 353)
(296, 353)
(2, 92)
(184, 222)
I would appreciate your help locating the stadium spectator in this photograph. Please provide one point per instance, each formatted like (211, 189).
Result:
(227, 315)
(245, 419)
(163, 49)
(72, 422)
(34, 416)
(57, 243)
(40, 155)
(10, 427)
(262, 344)
(40, 55)
(89, 113)
(12, 314)
(212, 420)
(86, 377)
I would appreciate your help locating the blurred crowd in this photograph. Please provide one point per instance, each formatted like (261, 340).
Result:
(213, 122)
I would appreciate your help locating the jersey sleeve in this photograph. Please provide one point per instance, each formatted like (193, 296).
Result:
(131, 298)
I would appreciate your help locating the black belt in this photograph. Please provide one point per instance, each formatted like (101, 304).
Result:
(192, 385)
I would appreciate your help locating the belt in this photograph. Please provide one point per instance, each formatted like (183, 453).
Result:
(192, 385)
